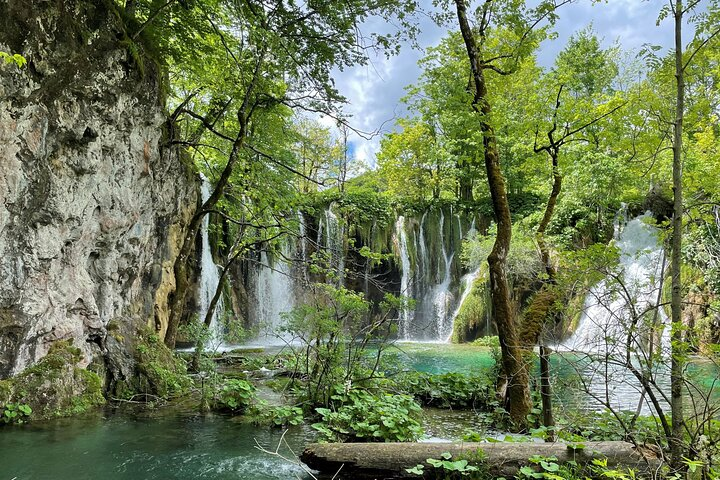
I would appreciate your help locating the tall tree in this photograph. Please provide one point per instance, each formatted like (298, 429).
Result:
(678, 354)
(266, 56)
(501, 57)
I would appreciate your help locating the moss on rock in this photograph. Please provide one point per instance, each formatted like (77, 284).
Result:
(472, 318)
(55, 386)
(158, 371)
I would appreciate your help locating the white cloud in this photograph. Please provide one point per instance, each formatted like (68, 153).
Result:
(374, 91)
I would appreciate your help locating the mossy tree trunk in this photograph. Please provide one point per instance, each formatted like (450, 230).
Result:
(515, 386)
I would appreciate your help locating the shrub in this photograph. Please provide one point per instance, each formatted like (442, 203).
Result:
(362, 416)
(450, 390)
(15, 413)
(276, 416)
(234, 396)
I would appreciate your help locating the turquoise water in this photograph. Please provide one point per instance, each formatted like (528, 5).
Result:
(442, 357)
(167, 444)
(136, 447)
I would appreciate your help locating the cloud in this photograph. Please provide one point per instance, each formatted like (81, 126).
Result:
(374, 91)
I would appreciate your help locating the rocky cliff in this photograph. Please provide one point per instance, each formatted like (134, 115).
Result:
(93, 207)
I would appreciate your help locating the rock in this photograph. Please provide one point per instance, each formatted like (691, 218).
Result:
(55, 386)
(93, 206)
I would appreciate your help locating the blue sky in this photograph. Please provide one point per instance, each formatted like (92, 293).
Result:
(374, 91)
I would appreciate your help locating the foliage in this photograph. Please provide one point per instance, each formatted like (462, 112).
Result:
(53, 387)
(524, 266)
(549, 468)
(358, 415)
(445, 467)
(158, 371)
(474, 314)
(275, 415)
(234, 396)
(15, 413)
(610, 426)
(16, 58)
(491, 341)
(449, 390)
(333, 332)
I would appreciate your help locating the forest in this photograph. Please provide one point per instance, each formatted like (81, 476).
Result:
(203, 274)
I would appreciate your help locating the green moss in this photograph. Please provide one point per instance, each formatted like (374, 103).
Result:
(540, 311)
(55, 386)
(158, 371)
(472, 318)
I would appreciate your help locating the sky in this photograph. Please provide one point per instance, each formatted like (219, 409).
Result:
(374, 91)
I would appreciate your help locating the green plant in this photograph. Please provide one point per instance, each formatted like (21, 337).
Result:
(449, 390)
(276, 415)
(17, 59)
(15, 413)
(334, 329)
(234, 396)
(550, 468)
(159, 372)
(445, 467)
(359, 415)
(491, 341)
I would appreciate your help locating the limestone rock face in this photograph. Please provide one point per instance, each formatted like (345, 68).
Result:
(93, 207)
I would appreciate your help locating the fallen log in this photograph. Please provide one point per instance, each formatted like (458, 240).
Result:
(390, 460)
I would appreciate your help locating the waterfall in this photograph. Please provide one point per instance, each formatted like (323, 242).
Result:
(302, 230)
(400, 240)
(424, 263)
(274, 294)
(334, 243)
(468, 281)
(430, 284)
(610, 310)
(441, 295)
(209, 276)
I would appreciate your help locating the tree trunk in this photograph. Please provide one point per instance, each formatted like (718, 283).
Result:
(516, 381)
(182, 282)
(465, 188)
(390, 460)
(546, 392)
(547, 216)
(678, 352)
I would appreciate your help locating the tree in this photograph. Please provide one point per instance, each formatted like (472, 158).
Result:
(677, 352)
(413, 163)
(261, 60)
(584, 73)
(483, 57)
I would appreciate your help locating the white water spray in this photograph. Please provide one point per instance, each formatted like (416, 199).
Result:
(274, 296)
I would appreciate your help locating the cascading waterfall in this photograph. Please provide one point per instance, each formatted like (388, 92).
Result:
(209, 276)
(467, 281)
(274, 295)
(424, 263)
(432, 284)
(302, 230)
(334, 242)
(400, 240)
(426, 253)
(611, 309)
(441, 295)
